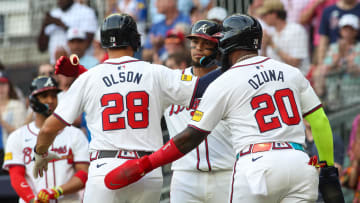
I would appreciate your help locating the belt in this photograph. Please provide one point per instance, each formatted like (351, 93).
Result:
(262, 147)
(121, 154)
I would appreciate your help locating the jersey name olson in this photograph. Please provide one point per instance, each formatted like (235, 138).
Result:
(266, 76)
(122, 77)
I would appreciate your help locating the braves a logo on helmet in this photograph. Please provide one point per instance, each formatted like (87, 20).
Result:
(202, 28)
(49, 83)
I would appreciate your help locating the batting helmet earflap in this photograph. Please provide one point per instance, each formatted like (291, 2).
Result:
(119, 30)
(240, 32)
(39, 85)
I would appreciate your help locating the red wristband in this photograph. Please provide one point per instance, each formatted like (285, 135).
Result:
(82, 175)
(166, 154)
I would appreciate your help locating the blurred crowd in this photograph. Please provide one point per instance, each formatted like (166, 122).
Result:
(320, 37)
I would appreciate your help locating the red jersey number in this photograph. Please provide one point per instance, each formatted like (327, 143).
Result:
(284, 99)
(137, 106)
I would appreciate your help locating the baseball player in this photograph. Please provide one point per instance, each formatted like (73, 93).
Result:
(67, 173)
(124, 99)
(209, 166)
(264, 102)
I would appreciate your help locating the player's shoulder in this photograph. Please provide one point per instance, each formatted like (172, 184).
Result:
(21, 131)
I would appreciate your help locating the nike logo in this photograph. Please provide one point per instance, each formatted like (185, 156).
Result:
(99, 165)
(254, 159)
(23, 185)
(27, 140)
(114, 184)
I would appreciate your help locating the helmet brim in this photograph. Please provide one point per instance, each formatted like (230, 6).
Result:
(207, 37)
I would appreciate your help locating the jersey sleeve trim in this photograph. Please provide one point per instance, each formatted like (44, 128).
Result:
(313, 110)
(130, 61)
(62, 120)
(250, 63)
(194, 93)
(199, 129)
(7, 166)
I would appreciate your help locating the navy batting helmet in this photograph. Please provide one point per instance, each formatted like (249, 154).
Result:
(240, 32)
(119, 30)
(39, 85)
(205, 29)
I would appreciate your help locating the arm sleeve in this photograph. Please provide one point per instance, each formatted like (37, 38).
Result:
(19, 183)
(321, 131)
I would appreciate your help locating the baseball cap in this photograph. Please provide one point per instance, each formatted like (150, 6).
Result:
(217, 13)
(349, 20)
(269, 6)
(3, 77)
(174, 36)
(75, 33)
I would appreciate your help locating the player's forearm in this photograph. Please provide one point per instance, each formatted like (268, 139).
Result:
(47, 134)
(188, 139)
(321, 131)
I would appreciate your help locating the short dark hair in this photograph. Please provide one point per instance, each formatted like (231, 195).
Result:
(180, 57)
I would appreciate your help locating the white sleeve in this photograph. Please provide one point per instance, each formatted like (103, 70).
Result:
(308, 98)
(299, 48)
(212, 108)
(177, 87)
(71, 104)
(89, 22)
(13, 151)
(80, 147)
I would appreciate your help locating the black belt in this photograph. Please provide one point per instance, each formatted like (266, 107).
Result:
(121, 154)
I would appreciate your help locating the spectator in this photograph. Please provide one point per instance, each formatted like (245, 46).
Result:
(99, 52)
(345, 53)
(178, 60)
(289, 43)
(65, 176)
(155, 39)
(174, 42)
(217, 14)
(12, 111)
(197, 14)
(46, 70)
(293, 9)
(311, 14)
(56, 22)
(329, 28)
(77, 45)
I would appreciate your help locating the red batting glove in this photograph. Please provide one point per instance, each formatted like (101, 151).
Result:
(45, 195)
(65, 67)
(129, 172)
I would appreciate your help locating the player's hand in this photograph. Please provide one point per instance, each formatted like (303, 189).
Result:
(329, 185)
(45, 195)
(69, 67)
(41, 162)
(129, 172)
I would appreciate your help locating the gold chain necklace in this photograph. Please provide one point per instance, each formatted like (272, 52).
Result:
(245, 57)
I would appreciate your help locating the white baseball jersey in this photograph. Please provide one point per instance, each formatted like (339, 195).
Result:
(214, 153)
(71, 144)
(124, 100)
(262, 100)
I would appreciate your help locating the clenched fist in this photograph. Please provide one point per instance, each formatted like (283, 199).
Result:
(45, 195)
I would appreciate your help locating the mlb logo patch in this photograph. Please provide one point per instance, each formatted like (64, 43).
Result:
(197, 116)
(186, 77)
(8, 156)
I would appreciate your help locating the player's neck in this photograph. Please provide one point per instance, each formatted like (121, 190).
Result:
(201, 71)
(39, 120)
(241, 55)
(117, 53)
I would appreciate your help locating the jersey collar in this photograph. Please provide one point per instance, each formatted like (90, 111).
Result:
(250, 61)
(121, 60)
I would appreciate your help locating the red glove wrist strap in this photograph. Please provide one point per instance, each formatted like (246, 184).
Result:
(166, 154)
